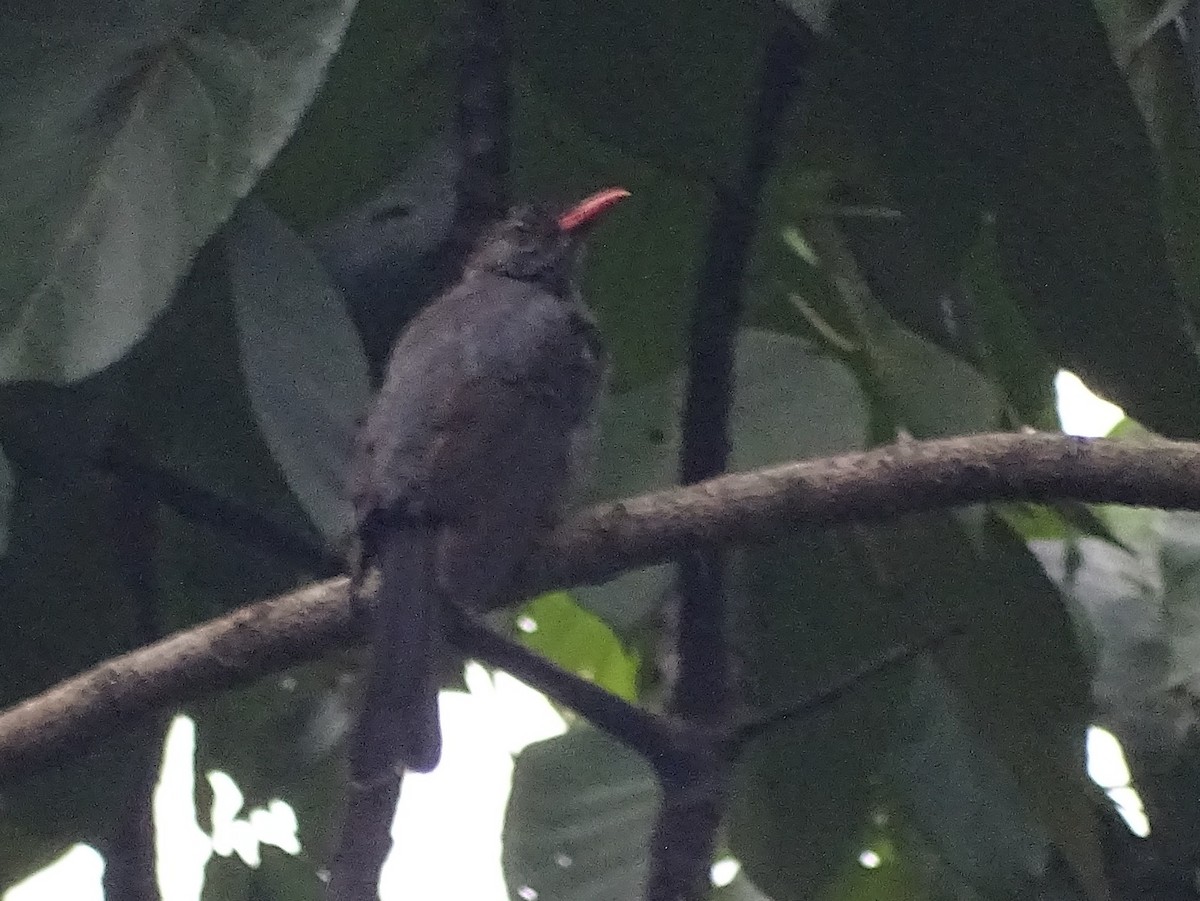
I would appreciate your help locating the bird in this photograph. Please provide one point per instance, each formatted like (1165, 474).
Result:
(466, 457)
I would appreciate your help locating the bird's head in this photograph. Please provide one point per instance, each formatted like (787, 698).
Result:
(538, 244)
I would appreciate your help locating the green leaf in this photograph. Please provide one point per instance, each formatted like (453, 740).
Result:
(802, 797)
(1034, 124)
(789, 403)
(1018, 666)
(596, 59)
(1155, 67)
(579, 819)
(134, 135)
(387, 93)
(1008, 348)
(807, 612)
(185, 406)
(913, 384)
(958, 795)
(928, 391)
(305, 371)
(554, 626)
(813, 607)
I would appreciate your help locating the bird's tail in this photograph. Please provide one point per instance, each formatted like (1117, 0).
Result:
(399, 720)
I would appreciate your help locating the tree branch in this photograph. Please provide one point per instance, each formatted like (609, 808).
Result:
(133, 537)
(607, 540)
(656, 736)
(364, 839)
(704, 692)
(223, 515)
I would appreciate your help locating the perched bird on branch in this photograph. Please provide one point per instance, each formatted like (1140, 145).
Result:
(466, 456)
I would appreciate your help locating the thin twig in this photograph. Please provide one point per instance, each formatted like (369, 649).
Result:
(756, 726)
(221, 514)
(653, 735)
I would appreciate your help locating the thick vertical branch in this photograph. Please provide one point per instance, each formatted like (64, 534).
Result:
(482, 192)
(694, 798)
(483, 130)
(704, 680)
(130, 870)
(365, 840)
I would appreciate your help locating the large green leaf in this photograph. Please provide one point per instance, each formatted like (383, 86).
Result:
(306, 374)
(913, 383)
(1156, 67)
(579, 819)
(598, 57)
(132, 131)
(1019, 667)
(789, 403)
(1007, 347)
(928, 391)
(816, 606)
(803, 796)
(386, 94)
(958, 796)
(1016, 108)
(808, 612)
(187, 404)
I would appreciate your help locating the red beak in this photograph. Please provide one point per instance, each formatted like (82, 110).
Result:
(590, 208)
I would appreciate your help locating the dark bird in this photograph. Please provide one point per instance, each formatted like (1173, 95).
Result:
(466, 456)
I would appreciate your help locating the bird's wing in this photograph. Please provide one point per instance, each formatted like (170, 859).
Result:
(473, 429)
(499, 467)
